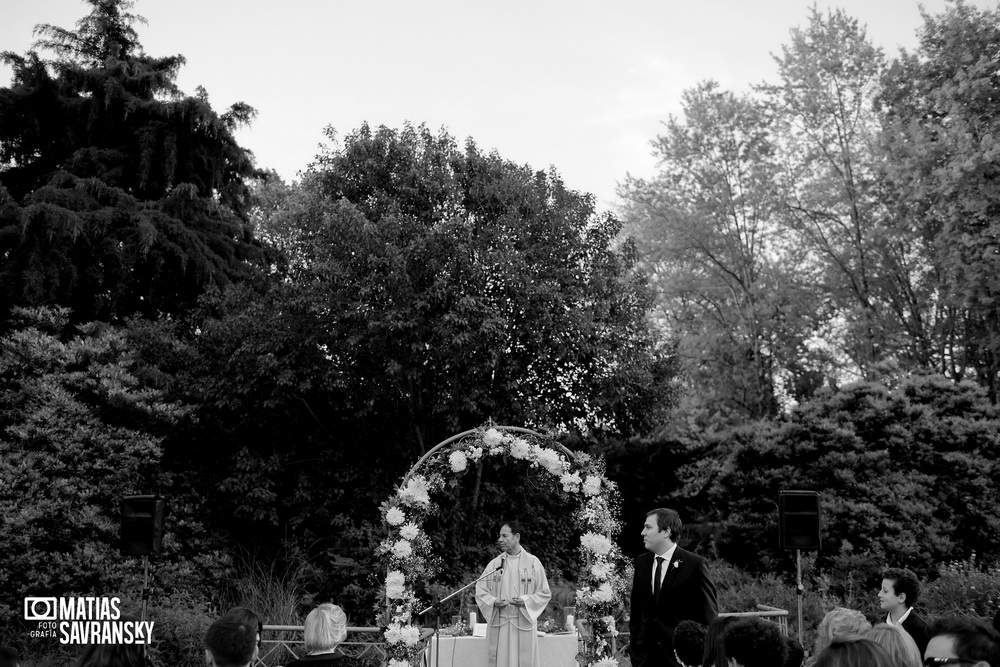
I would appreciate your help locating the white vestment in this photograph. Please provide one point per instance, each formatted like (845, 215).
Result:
(512, 632)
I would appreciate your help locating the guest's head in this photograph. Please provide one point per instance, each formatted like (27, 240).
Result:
(796, 654)
(715, 635)
(326, 626)
(840, 622)
(113, 655)
(8, 657)
(900, 590)
(231, 641)
(754, 642)
(971, 641)
(689, 643)
(898, 642)
(854, 652)
(661, 529)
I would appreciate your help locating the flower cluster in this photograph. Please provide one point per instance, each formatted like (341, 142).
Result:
(408, 556)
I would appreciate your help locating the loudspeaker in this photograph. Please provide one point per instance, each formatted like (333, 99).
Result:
(142, 525)
(799, 520)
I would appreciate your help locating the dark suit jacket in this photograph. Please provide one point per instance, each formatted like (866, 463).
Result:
(687, 593)
(919, 629)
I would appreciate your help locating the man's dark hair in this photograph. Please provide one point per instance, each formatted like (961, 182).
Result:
(8, 657)
(667, 518)
(974, 639)
(753, 642)
(231, 641)
(796, 654)
(514, 525)
(904, 581)
(689, 642)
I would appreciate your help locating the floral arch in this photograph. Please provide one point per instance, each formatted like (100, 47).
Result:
(405, 553)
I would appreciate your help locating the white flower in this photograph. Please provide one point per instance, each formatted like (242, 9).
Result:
(592, 486)
(550, 460)
(459, 461)
(602, 571)
(402, 549)
(570, 483)
(410, 635)
(393, 635)
(604, 593)
(415, 492)
(395, 584)
(520, 449)
(492, 438)
(395, 516)
(612, 626)
(595, 543)
(409, 531)
(475, 453)
(398, 663)
(603, 662)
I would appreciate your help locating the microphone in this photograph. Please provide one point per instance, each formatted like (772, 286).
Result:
(503, 562)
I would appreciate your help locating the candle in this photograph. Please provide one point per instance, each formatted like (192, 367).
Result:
(472, 620)
(569, 622)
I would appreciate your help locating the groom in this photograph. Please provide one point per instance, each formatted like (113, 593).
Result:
(670, 585)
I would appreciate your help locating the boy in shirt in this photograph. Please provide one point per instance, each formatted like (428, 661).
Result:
(900, 591)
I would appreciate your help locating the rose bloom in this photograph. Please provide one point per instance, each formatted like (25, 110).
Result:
(475, 453)
(604, 593)
(592, 486)
(602, 570)
(550, 460)
(415, 492)
(395, 516)
(458, 461)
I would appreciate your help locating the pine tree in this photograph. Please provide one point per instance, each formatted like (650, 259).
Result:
(119, 195)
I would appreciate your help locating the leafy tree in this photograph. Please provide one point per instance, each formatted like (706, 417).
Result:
(906, 476)
(79, 430)
(730, 283)
(941, 129)
(118, 195)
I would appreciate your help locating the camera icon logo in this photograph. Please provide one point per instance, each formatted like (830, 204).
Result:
(41, 609)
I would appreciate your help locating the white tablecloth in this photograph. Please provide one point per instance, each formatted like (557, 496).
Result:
(554, 650)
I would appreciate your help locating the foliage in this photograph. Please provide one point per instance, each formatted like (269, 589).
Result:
(873, 454)
(118, 195)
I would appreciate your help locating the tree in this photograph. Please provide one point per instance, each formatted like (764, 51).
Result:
(730, 283)
(118, 195)
(79, 429)
(941, 136)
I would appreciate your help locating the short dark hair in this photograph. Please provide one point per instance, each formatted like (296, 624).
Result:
(231, 640)
(974, 639)
(667, 518)
(689, 642)
(754, 642)
(904, 581)
(715, 651)
(796, 653)
(514, 525)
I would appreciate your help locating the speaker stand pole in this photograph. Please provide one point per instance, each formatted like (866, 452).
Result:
(145, 590)
(798, 588)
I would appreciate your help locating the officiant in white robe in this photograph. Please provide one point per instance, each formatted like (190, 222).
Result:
(511, 599)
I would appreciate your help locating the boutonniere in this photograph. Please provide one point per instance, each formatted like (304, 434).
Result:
(677, 563)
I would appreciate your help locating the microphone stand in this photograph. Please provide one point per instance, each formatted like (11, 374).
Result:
(436, 605)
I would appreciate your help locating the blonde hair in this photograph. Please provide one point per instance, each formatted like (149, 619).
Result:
(326, 626)
(840, 622)
(898, 643)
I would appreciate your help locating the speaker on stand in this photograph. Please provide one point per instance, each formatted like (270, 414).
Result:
(142, 533)
(799, 528)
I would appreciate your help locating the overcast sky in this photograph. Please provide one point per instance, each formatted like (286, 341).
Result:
(580, 85)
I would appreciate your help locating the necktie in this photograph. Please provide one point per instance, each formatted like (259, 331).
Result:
(656, 577)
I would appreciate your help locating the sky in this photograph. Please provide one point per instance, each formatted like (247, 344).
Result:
(580, 85)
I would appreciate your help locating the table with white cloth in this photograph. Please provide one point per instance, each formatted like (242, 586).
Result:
(554, 651)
